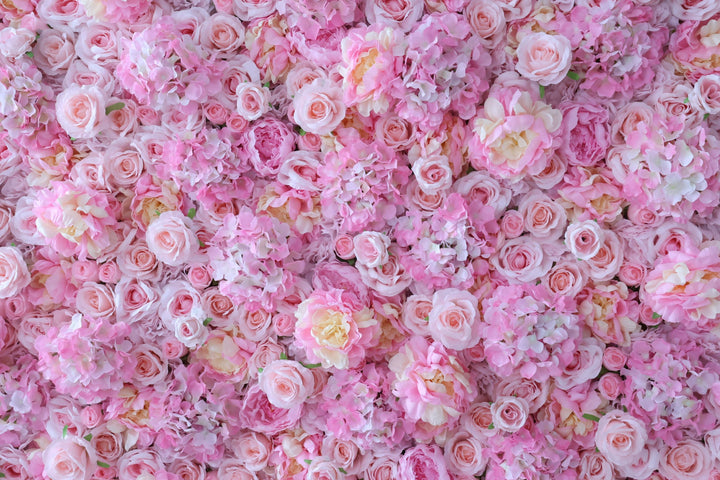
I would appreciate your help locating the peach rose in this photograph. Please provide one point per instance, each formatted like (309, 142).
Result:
(593, 466)
(319, 107)
(151, 367)
(254, 449)
(454, 319)
(14, 274)
(565, 278)
(170, 239)
(80, 110)
(222, 33)
(688, 460)
(68, 459)
(544, 58)
(544, 218)
(509, 414)
(705, 96)
(286, 383)
(394, 131)
(620, 437)
(402, 14)
(54, 51)
(512, 224)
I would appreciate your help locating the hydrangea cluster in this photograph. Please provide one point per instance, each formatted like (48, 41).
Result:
(360, 240)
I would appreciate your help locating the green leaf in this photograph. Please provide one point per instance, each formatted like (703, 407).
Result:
(191, 213)
(655, 315)
(207, 321)
(427, 318)
(113, 107)
(30, 54)
(283, 356)
(342, 470)
(72, 139)
(103, 464)
(260, 369)
(2, 475)
(266, 84)
(88, 437)
(311, 365)
(301, 132)
(13, 244)
(308, 461)
(65, 431)
(573, 76)
(491, 426)
(705, 117)
(687, 100)
(589, 416)
(542, 91)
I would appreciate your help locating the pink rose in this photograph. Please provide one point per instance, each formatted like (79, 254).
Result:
(95, 300)
(190, 331)
(620, 437)
(382, 468)
(80, 110)
(688, 460)
(123, 164)
(14, 274)
(584, 239)
(107, 444)
(199, 276)
(464, 455)
(139, 461)
(594, 466)
(388, 279)
(170, 238)
(394, 131)
(487, 20)
(706, 94)
(151, 366)
(98, 43)
(522, 259)
(533, 392)
(509, 414)
(254, 450)
(481, 187)
(68, 459)
(478, 420)
(605, 264)
(233, 469)
(371, 248)
(614, 359)
(544, 218)
(694, 10)
(54, 51)
(512, 224)
(566, 278)
(416, 314)
(402, 14)
(433, 173)
(454, 319)
(301, 170)
(586, 133)
(344, 247)
(253, 100)
(610, 386)
(91, 415)
(222, 33)
(254, 324)
(544, 58)
(632, 274)
(319, 107)
(252, 9)
(345, 454)
(15, 42)
(632, 119)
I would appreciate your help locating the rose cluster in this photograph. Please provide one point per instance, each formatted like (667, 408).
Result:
(362, 240)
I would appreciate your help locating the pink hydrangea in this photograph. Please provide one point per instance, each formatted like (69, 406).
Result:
(527, 331)
(87, 359)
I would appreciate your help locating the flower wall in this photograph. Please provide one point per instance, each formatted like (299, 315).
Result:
(363, 240)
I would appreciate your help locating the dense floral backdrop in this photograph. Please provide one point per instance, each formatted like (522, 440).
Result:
(377, 239)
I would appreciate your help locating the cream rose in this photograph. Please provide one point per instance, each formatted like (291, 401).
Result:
(371, 248)
(80, 110)
(544, 58)
(319, 107)
(454, 319)
(620, 437)
(14, 274)
(170, 239)
(68, 459)
(286, 383)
